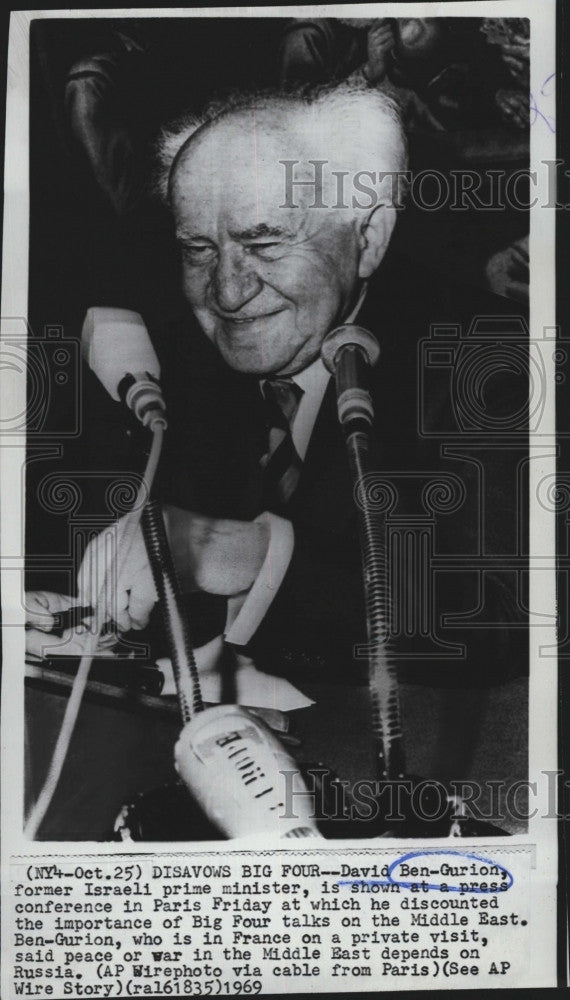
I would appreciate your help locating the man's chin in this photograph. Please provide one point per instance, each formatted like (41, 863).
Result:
(250, 366)
(250, 361)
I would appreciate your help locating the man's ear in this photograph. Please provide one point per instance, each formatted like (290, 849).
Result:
(374, 236)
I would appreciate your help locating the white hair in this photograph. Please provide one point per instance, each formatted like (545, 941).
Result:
(359, 128)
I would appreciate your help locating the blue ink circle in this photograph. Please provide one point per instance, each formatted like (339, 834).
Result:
(430, 885)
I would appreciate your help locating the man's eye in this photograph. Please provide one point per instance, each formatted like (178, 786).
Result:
(263, 249)
(197, 252)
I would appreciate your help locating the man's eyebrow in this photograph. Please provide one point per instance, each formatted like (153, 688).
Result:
(255, 232)
(183, 236)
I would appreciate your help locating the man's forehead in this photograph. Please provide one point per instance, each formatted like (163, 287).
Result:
(248, 210)
(248, 137)
(239, 176)
(245, 150)
(232, 178)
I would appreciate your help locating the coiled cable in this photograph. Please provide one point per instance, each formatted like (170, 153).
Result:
(382, 675)
(173, 615)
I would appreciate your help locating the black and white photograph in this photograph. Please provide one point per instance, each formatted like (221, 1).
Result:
(286, 427)
(301, 216)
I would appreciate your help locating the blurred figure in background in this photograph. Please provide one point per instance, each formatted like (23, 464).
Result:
(95, 91)
(361, 50)
(431, 66)
(512, 38)
(507, 271)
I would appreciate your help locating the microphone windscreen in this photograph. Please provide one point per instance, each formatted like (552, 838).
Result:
(349, 335)
(115, 343)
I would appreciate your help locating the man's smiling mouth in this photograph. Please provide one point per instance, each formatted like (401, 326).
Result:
(246, 320)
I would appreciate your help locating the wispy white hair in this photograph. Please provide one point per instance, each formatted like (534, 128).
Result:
(354, 127)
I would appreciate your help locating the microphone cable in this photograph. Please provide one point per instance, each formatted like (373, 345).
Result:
(38, 812)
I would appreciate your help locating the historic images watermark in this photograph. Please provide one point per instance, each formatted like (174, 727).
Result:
(426, 801)
(319, 184)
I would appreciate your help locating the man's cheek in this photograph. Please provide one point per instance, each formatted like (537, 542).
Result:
(290, 273)
(195, 285)
(206, 320)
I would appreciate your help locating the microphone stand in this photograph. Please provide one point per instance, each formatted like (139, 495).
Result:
(347, 353)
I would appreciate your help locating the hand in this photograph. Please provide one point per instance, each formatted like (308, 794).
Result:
(130, 594)
(215, 555)
(41, 608)
(380, 41)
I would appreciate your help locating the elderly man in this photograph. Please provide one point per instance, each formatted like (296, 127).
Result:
(280, 241)
(266, 278)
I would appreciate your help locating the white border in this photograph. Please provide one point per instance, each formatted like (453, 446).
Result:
(543, 683)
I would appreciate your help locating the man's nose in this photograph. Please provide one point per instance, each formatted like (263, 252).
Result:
(235, 282)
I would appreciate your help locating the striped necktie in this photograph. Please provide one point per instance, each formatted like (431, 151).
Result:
(281, 464)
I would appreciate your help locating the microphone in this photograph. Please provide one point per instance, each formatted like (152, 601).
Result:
(118, 349)
(237, 771)
(347, 352)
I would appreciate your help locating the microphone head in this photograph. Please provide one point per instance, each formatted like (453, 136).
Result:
(242, 798)
(349, 335)
(115, 343)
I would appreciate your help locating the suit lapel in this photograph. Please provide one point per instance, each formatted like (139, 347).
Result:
(324, 498)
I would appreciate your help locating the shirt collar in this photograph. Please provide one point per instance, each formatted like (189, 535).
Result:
(354, 313)
(311, 379)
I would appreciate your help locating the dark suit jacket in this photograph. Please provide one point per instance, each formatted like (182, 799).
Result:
(449, 449)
